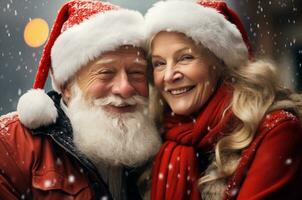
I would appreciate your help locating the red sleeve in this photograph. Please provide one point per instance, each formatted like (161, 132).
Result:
(276, 170)
(15, 160)
(7, 166)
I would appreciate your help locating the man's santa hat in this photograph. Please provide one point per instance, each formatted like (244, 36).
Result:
(82, 31)
(208, 22)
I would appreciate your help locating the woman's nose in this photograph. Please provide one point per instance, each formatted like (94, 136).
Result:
(172, 75)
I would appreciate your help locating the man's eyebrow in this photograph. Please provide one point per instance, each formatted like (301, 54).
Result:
(104, 61)
(99, 63)
(140, 61)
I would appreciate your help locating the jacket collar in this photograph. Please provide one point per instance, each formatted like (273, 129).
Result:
(62, 134)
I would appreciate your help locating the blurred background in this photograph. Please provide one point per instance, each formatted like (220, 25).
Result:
(274, 27)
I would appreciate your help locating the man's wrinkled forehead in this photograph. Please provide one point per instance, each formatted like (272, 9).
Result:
(108, 60)
(129, 53)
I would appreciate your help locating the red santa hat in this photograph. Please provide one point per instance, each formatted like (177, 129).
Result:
(82, 31)
(210, 23)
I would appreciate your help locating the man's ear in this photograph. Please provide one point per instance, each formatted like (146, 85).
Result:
(66, 92)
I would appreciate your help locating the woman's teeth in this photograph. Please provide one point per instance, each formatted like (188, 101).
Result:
(180, 91)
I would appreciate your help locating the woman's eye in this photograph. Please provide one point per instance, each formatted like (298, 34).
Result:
(186, 57)
(157, 64)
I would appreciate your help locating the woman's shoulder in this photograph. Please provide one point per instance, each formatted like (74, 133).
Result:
(280, 126)
(277, 118)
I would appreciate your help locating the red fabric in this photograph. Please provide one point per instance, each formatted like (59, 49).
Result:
(80, 10)
(175, 171)
(31, 164)
(269, 168)
(70, 14)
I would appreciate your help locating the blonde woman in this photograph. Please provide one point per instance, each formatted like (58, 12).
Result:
(230, 131)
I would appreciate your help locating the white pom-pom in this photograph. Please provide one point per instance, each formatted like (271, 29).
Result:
(35, 109)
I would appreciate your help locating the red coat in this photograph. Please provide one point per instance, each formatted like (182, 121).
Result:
(275, 171)
(269, 168)
(33, 167)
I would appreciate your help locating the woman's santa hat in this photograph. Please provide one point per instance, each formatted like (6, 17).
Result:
(82, 31)
(210, 23)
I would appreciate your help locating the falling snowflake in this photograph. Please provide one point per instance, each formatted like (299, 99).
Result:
(161, 102)
(138, 125)
(47, 183)
(160, 176)
(234, 191)
(104, 198)
(59, 161)
(288, 161)
(71, 179)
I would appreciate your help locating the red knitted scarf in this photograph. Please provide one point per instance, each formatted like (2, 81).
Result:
(176, 169)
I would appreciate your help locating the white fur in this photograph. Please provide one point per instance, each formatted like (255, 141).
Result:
(100, 33)
(127, 139)
(35, 108)
(204, 25)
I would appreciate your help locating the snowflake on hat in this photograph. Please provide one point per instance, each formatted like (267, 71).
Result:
(82, 31)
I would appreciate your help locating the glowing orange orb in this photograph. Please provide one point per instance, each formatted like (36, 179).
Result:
(36, 32)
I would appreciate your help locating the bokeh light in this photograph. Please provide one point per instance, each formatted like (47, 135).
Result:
(36, 32)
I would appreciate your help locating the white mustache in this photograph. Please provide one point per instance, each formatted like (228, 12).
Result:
(118, 101)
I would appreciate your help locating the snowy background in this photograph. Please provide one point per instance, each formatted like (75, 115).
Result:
(275, 29)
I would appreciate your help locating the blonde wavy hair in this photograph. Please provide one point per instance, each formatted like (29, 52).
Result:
(256, 92)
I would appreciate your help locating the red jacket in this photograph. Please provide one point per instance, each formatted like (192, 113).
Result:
(275, 171)
(269, 168)
(36, 167)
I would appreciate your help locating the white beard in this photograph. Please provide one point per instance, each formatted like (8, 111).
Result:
(127, 139)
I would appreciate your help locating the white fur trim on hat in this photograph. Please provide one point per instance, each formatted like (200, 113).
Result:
(203, 24)
(35, 109)
(102, 32)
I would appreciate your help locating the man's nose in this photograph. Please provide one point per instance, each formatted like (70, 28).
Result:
(122, 87)
(171, 74)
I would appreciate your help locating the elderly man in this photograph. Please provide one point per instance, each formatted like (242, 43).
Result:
(85, 139)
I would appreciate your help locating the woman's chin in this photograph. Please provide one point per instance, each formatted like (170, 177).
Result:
(181, 111)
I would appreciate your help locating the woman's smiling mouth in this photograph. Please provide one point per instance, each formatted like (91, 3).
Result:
(179, 91)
